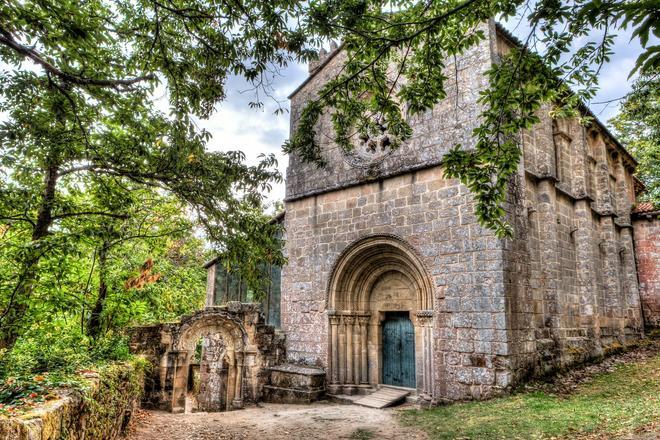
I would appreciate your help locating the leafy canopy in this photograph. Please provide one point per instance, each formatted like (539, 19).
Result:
(83, 138)
(638, 126)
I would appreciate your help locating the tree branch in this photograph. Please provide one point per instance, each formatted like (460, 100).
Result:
(78, 214)
(8, 40)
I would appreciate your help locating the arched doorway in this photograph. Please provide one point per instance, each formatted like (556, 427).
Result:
(219, 363)
(380, 306)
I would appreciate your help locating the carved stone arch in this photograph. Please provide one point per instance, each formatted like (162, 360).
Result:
(210, 323)
(374, 279)
(352, 270)
(197, 325)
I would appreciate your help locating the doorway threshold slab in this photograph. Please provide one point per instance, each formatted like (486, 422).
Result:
(382, 398)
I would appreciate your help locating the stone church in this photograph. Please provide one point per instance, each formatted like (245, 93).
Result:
(391, 281)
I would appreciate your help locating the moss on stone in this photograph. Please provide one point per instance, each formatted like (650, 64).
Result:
(101, 409)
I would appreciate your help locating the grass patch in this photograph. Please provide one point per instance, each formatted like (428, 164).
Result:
(616, 402)
(362, 434)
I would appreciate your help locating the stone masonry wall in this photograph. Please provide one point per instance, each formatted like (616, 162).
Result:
(436, 131)
(570, 273)
(647, 247)
(435, 217)
(561, 291)
(408, 198)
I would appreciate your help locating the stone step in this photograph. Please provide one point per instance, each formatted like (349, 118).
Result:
(297, 377)
(383, 397)
(275, 394)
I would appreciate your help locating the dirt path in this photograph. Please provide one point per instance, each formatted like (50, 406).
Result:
(320, 420)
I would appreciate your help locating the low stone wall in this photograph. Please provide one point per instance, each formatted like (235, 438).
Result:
(290, 383)
(100, 412)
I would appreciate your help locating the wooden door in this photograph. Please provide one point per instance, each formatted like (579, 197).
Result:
(398, 351)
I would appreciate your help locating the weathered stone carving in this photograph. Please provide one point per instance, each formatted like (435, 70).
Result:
(237, 350)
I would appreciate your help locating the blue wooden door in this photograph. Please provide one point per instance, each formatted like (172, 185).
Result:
(398, 351)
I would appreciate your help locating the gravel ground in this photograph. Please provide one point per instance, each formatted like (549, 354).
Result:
(321, 420)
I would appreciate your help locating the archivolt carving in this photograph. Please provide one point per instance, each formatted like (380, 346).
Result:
(354, 292)
(205, 322)
(361, 264)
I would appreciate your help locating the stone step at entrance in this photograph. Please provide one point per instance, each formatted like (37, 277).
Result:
(382, 398)
(290, 383)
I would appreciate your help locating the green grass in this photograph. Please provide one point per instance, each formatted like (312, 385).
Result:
(362, 434)
(612, 403)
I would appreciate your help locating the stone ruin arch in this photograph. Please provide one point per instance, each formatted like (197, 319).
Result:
(221, 391)
(241, 347)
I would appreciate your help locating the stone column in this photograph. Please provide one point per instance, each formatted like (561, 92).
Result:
(357, 351)
(579, 163)
(333, 388)
(621, 194)
(237, 403)
(633, 312)
(341, 349)
(179, 364)
(425, 321)
(610, 256)
(364, 350)
(586, 270)
(562, 143)
(546, 159)
(605, 196)
(350, 378)
(546, 198)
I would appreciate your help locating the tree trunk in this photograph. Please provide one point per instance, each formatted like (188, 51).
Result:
(94, 326)
(11, 319)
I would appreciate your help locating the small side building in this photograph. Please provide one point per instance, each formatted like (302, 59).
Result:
(646, 224)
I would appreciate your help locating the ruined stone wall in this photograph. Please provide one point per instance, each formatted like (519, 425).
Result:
(238, 349)
(647, 247)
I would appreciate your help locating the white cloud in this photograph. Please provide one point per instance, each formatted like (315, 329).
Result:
(236, 126)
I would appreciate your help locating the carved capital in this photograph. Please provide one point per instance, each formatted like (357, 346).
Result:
(364, 319)
(348, 319)
(424, 317)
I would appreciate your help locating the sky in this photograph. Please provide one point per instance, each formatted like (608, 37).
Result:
(236, 126)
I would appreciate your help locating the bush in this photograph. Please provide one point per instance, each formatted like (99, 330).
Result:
(52, 356)
(61, 348)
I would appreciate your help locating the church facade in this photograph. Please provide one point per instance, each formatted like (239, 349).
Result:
(391, 280)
